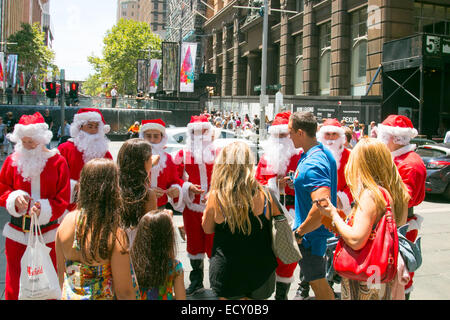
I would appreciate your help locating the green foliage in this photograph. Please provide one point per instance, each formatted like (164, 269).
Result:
(124, 44)
(35, 58)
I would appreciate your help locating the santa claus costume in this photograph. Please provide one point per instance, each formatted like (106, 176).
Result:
(82, 146)
(165, 174)
(280, 157)
(40, 174)
(195, 165)
(341, 155)
(410, 167)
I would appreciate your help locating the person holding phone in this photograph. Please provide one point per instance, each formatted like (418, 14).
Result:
(315, 178)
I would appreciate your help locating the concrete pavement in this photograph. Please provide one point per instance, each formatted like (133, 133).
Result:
(431, 282)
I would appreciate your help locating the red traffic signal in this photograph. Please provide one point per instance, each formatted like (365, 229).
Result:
(50, 90)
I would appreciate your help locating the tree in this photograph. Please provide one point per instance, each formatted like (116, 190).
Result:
(35, 58)
(124, 44)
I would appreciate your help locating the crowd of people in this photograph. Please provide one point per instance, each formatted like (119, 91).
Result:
(112, 235)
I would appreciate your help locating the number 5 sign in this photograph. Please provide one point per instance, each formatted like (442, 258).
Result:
(433, 44)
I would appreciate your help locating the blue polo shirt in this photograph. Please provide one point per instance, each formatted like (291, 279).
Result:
(316, 168)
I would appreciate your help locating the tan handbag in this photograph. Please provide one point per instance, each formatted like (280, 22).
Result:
(284, 245)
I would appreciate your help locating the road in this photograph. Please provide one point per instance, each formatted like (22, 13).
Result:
(431, 282)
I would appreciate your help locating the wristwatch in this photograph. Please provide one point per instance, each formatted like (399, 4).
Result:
(298, 237)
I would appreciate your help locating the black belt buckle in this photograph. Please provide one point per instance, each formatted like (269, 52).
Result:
(26, 223)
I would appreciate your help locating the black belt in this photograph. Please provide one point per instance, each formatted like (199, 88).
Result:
(411, 212)
(287, 199)
(24, 223)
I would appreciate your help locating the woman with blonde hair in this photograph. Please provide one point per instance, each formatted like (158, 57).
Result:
(370, 172)
(238, 212)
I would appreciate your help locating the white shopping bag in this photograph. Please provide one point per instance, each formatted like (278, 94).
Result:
(38, 278)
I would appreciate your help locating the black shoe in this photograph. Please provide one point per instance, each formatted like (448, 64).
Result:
(282, 290)
(196, 278)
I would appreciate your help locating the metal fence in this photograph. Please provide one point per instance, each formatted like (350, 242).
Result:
(101, 102)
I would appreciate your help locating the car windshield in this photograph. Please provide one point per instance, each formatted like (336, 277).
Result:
(177, 138)
(430, 153)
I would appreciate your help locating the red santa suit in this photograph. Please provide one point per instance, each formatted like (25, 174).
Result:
(410, 167)
(195, 164)
(341, 155)
(165, 174)
(279, 159)
(83, 147)
(43, 177)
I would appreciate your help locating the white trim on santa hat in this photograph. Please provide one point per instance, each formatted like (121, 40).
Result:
(38, 132)
(153, 126)
(278, 129)
(401, 135)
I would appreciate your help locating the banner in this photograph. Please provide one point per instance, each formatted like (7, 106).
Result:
(188, 55)
(141, 74)
(2, 67)
(169, 66)
(11, 70)
(153, 74)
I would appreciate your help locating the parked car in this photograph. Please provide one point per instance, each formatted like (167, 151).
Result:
(177, 140)
(437, 161)
(421, 142)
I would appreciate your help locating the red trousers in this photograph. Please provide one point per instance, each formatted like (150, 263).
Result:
(197, 241)
(14, 252)
(411, 236)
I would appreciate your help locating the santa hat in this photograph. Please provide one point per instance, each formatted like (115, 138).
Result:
(155, 124)
(199, 123)
(399, 127)
(330, 126)
(85, 115)
(280, 124)
(32, 126)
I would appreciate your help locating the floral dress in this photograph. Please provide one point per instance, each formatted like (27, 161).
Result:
(85, 282)
(164, 292)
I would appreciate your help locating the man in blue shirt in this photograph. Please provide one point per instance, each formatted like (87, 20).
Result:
(314, 179)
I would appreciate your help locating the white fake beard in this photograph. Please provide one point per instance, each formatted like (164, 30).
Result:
(278, 153)
(202, 148)
(158, 149)
(30, 163)
(336, 148)
(91, 145)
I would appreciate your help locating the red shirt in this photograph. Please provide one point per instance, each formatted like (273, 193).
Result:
(414, 173)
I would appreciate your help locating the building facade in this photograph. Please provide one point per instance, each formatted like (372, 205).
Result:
(152, 12)
(16, 12)
(328, 48)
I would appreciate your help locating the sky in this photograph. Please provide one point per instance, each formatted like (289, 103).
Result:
(79, 28)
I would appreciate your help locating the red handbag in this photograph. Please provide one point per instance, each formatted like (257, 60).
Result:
(378, 258)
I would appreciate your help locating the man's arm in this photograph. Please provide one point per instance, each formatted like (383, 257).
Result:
(313, 220)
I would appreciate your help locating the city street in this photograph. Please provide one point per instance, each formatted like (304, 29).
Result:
(432, 280)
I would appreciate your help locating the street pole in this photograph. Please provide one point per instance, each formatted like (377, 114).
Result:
(264, 99)
(62, 77)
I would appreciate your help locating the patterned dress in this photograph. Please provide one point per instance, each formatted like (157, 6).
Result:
(85, 282)
(164, 292)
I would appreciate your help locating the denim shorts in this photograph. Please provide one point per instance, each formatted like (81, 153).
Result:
(312, 266)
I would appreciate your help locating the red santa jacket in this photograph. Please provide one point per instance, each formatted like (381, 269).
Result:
(75, 162)
(193, 173)
(343, 191)
(264, 175)
(51, 189)
(165, 176)
(413, 172)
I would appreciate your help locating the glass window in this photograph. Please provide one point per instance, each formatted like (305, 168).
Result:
(359, 52)
(299, 5)
(325, 58)
(298, 85)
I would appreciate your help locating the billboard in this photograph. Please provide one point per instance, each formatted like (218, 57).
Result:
(11, 69)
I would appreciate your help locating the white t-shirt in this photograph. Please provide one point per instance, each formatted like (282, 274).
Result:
(113, 93)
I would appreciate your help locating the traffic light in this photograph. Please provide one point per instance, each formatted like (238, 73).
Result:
(50, 90)
(73, 92)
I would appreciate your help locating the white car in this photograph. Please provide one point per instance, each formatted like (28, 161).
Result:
(177, 139)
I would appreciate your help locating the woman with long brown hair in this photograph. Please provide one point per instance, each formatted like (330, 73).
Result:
(160, 275)
(242, 264)
(369, 173)
(135, 164)
(91, 249)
